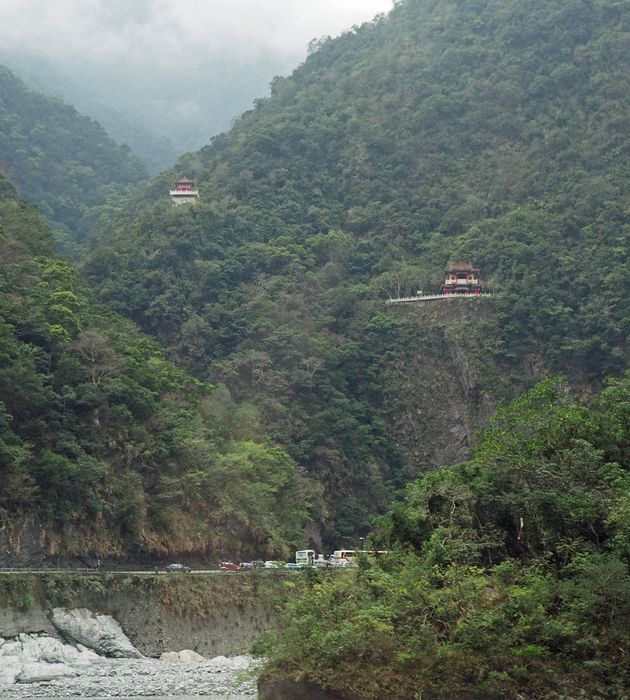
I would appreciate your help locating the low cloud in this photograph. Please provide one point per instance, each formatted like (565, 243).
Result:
(166, 33)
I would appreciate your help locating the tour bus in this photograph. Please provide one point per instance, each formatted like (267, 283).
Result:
(305, 557)
(343, 557)
(347, 557)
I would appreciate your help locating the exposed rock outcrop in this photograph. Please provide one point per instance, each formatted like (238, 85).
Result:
(35, 658)
(41, 647)
(22, 675)
(213, 615)
(98, 632)
(33, 621)
(36, 672)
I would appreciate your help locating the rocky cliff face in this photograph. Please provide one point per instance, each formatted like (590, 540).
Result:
(449, 382)
(212, 615)
(25, 542)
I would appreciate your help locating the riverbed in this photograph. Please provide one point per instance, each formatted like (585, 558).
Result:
(214, 679)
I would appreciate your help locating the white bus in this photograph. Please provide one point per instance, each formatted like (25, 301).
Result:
(347, 557)
(343, 557)
(305, 557)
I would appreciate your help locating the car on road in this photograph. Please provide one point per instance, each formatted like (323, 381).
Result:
(249, 565)
(343, 564)
(272, 565)
(229, 566)
(178, 568)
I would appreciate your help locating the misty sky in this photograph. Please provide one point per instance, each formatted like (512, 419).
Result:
(176, 32)
(176, 70)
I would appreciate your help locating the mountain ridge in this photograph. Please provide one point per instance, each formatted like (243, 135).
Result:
(445, 131)
(64, 162)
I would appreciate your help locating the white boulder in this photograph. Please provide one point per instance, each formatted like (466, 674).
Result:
(44, 648)
(33, 657)
(10, 647)
(235, 663)
(184, 656)
(36, 672)
(10, 668)
(98, 632)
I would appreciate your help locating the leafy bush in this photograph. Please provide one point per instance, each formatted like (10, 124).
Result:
(505, 575)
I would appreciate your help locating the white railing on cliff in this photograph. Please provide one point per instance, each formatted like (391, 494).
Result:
(435, 297)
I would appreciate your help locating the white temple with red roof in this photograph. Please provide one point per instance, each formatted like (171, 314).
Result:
(184, 192)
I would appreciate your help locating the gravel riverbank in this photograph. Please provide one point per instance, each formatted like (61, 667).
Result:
(221, 677)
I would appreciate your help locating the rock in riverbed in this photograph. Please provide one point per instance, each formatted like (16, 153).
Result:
(42, 647)
(38, 665)
(147, 677)
(183, 656)
(39, 672)
(30, 658)
(98, 632)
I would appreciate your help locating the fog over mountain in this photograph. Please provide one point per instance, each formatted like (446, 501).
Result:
(165, 77)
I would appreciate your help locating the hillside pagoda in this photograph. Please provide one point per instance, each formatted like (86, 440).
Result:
(461, 278)
(184, 192)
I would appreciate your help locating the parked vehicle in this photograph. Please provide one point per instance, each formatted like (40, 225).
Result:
(247, 565)
(343, 563)
(343, 558)
(305, 556)
(229, 566)
(178, 568)
(271, 565)
(309, 557)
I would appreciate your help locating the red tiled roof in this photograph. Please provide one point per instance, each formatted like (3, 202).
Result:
(462, 267)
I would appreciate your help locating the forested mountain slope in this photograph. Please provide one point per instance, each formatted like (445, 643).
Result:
(107, 449)
(63, 162)
(507, 576)
(446, 131)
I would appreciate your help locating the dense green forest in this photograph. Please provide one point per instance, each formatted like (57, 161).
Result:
(507, 575)
(109, 450)
(445, 131)
(63, 162)
(290, 400)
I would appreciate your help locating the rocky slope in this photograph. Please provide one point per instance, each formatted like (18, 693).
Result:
(38, 665)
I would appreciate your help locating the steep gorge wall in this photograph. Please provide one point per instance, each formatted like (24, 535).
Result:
(213, 615)
(449, 380)
(442, 385)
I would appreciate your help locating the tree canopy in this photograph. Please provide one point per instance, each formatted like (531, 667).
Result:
(445, 131)
(109, 448)
(63, 162)
(506, 575)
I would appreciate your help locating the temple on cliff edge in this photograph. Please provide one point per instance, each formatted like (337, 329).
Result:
(184, 192)
(461, 278)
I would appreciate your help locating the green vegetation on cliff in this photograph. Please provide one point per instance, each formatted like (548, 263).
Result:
(63, 162)
(508, 573)
(106, 448)
(447, 130)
